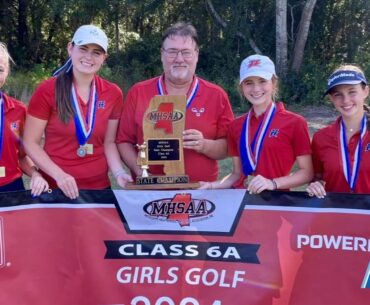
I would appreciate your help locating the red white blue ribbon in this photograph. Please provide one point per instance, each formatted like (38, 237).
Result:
(249, 153)
(351, 173)
(193, 90)
(84, 126)
(2, 110)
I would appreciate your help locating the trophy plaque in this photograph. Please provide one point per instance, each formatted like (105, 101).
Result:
(163, 125)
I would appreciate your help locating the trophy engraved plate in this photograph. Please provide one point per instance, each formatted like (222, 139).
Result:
(163, 125)
(163, 150)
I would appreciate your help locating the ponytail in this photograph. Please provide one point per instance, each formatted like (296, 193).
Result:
(63, 95)
(63, 87)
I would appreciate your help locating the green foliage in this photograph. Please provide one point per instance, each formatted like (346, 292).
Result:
(225, 167)
(37, 33)
(140, 60)
(21, 83)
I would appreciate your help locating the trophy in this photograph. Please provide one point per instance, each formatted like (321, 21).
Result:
(163, 125)
(142, 160)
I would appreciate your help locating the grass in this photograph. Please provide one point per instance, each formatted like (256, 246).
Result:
(225, 167)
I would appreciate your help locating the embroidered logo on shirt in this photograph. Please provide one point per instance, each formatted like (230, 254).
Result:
(367, 147)
(274, 133)
(14, 126)
(101, 104)
(197, 112)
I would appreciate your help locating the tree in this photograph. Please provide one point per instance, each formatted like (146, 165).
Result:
(281, 38)
(301, 39)
(224, 25)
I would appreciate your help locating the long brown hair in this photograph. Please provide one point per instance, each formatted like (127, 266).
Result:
(63, 96)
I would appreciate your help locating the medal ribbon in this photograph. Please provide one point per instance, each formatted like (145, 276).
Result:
(250, 153)
(2, 110)
(351, 174)
(191, 96)
(84, 126)
(67, 66)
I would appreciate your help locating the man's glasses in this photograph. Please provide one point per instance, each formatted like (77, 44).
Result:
(172, 53)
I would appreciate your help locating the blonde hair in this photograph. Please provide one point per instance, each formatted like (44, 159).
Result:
(349, 67)
(4, 52)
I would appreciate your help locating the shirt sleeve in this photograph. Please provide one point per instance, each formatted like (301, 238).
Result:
(127, 127)
(232, 141)
(317, 164)
(118, 105)
(226, 116)
(301, 139)
(42, 101)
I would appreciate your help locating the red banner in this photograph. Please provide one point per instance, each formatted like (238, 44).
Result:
(184, 248)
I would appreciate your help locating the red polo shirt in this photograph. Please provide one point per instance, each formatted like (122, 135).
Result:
(327, 159)
(210, 112)
(14, 117)
(91, 171)
(286, 139)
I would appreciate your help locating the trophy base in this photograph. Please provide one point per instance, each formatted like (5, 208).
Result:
(162, 182)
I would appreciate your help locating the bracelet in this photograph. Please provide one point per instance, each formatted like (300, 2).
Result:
(274, 184)
(118, 173)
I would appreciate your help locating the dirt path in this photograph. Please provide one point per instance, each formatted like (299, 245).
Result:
(318, 116)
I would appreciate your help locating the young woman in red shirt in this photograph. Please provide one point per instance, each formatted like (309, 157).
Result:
(79, 112)
(341, 151)
(13, 160)
(265, 142)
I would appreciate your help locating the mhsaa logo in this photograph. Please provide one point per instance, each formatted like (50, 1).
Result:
(2, 244)
(157, 116)
(181, 208)
(164, 116)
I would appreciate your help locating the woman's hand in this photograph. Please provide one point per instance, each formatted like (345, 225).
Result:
(205, 185)
(122, 178)
(68, 185)
(38, 184)
(316, 188)
(259, 183)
